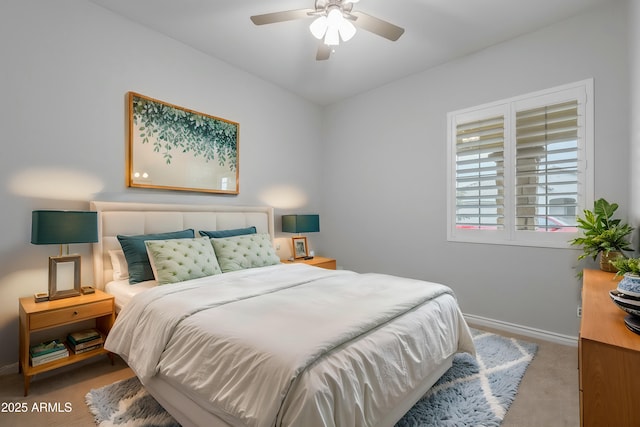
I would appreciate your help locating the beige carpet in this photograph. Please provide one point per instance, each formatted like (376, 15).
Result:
(548, 394)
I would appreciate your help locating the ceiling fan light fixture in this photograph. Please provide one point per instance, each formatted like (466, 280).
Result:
(333, 27)
(334, 22)
(332, 37)
(334, 16)
(347, 30)
(319, 27)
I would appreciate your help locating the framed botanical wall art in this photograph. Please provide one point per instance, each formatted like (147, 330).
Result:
(171, 147)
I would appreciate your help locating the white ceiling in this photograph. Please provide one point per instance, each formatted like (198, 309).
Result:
(436, 31)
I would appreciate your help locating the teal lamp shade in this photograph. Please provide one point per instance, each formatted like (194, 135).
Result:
(300, 223)
(63, 227)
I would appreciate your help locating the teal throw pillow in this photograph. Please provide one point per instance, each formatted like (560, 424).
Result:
(218, 234)
(135, 252)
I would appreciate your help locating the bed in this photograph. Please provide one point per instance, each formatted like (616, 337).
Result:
(276, 344)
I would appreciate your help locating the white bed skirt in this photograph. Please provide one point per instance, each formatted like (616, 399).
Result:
(189, 414)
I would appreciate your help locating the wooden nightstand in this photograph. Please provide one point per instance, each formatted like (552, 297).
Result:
(318, 261)
(51, 314)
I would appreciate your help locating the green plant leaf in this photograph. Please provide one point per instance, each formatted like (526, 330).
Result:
(601, 232)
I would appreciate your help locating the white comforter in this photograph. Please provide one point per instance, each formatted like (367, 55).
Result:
(253, 346)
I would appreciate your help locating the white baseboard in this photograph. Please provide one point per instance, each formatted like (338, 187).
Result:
(9, 369)
(522, 330)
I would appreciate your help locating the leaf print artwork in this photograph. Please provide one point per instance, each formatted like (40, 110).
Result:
(176, 148)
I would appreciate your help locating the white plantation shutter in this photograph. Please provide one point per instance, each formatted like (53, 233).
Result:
(520, 169)
(480, 173)
(547, 167)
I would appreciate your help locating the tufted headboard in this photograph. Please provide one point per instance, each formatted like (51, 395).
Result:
(142, 218)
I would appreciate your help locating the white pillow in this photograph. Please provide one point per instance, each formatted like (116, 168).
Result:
(119, 264)
(177, 260)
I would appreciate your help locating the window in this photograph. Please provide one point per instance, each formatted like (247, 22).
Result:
(520, 170)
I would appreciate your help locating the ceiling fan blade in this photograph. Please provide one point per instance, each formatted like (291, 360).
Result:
(377, 26)
(323, 53)
(289, 15)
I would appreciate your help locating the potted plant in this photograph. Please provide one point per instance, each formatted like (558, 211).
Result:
(602, 234)
(629, 268)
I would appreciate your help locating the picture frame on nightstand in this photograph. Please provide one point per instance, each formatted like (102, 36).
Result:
(300, 249)
(64, 276)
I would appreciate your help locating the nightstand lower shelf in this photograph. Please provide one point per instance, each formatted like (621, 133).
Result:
(52, 314)
(30, 371)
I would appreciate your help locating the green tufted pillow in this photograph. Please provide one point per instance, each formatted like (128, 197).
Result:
(248, 251)
(177, 260)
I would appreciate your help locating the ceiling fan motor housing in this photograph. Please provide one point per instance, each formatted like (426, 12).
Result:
(324, 5)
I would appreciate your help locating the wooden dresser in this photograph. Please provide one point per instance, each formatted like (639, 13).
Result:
(609, 358)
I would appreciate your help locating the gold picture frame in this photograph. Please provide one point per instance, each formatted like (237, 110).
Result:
(300, 248)
(64, 276)
(175, 148)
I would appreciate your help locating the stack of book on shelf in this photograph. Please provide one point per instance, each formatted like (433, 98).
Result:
(47, 351)
(83, 341)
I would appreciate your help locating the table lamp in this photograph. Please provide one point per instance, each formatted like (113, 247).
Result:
(49, 227)
(300, 224)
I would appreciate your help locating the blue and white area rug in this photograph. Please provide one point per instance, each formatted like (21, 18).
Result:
(475, 392)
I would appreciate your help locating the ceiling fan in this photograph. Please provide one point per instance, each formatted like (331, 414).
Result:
(335, 20)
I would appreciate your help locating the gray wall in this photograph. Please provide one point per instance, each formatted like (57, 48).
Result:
(384, 200)
(66, 68)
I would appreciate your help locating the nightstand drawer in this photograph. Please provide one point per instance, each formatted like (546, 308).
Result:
(318, 261)
(329, 265)
(71, 314)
